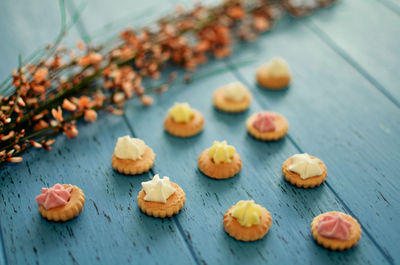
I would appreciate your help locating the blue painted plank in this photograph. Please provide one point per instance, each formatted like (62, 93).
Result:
(25, 28)
(111, 229)
(336, 114)
(260, 179)
(371, 44)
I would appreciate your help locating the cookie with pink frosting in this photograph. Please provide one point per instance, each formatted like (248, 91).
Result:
(336, 230)
(61, 202)
(267, 126)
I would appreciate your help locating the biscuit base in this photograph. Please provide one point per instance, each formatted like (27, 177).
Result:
(336, 244)
(271, 82)
(219, 171)
(185, 129)
(295, 179)
(68, 211)
(228, 105)
(242, 233)
(134, 167)
(161, 210)
(281, 128)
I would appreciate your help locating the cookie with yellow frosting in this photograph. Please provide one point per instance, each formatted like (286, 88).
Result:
(183, 121)
(247, 221)
(220, 161)
(267, 126)
(233, 98)
(161, 198)
(336, 230)
(132, 156)
(274, 75)
(61, 202)
(304, 171)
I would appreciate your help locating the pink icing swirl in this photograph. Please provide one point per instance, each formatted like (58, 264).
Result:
(265, 122)
(54, 197)
(334, 226)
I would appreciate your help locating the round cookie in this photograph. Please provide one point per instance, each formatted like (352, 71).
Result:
(230, 105)
(134, 167)
(280, 123)
(185, 129)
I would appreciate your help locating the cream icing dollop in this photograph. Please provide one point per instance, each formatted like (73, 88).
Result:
(181, 112)
(277, 67)
(54, 197)
(247, 213)
(235, 91)
(264, 122)
(221, 152)
(158, 190)
(334, 226)
(129, 148)
(305, 166)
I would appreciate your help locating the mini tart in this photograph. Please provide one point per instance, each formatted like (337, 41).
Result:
(219, 171)
(229, 105)
(68, 211)
(265, 80)
(161, 210)
(185, 129)
(252, 233)
(281, 124)
(295, 179)
(134, 167)
(336, 244)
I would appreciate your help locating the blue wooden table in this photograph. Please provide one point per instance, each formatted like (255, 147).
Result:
(343, 107)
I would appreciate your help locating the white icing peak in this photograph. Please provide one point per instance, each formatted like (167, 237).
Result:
(305, 166)
(235, 91)
(277, 67)
(129, 148)
(158, 190)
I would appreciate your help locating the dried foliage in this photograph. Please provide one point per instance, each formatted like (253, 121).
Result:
(49, 95)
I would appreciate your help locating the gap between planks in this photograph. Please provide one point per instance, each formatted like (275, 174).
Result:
(391, 6)
(338, 50)
(389, 258)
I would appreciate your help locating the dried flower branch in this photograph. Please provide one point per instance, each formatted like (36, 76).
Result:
(52, 93)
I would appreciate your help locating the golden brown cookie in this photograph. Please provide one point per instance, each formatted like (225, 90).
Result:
(134, 167)
(68, 211)
(228, 105)
(281, 124)
(219, 171)
(185, 129)
(255, 232)
(295, 179)
(336, 244)
(161, 210)
(271, 82)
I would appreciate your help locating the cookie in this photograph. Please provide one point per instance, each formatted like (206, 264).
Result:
(61, 202)
(336, 230)
(182, 121)
(232, 98)
(247, 221)
(273, 126)
(220, 161)
(304, 171)
(275, 75)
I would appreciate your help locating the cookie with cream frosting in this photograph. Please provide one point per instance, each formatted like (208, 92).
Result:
(61, 202)
(233, 98)
(336, 230)
(274, 75)
(161, 198)
(183, 121)
(304, 171)
(132, 156)
(247, 221)
(221, 161)
(267, 126)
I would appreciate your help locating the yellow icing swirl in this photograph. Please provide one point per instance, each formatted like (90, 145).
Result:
(221, 152)
(181, 112)
(247, 213)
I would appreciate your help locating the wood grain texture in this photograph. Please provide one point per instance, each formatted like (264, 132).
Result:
(371, 48)
(261, 179)
(337, 115)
